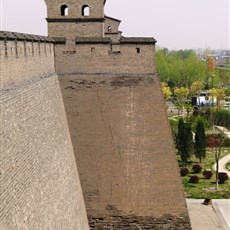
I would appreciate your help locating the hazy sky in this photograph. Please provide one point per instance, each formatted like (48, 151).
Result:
(175, 24)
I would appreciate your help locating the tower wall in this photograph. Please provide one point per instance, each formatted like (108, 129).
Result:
(40, 187)
(90, 57)
(70, 30)
(118, 125)
(96, 9)
(124, 151)
(75, 23)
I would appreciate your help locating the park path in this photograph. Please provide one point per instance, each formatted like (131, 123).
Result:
(224, 160)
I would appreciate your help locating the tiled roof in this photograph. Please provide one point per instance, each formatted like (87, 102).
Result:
(79, 40)
(114, 19)
(138, 40)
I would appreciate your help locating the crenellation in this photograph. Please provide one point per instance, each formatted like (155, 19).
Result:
(22, 59)
(24, 49)
(6, 48)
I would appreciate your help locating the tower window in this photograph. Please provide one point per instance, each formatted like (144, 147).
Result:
(64, 10)
(85, 10)
(138, 50)
(109, 28)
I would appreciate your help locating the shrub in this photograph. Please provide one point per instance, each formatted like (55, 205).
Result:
(222, 177)
(228, 166)
(196, 168)
(194, 179)
(184, 171)
(207, 174)
(226, 142)
(222, 118)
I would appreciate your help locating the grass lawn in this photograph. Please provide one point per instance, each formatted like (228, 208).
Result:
(205, 188)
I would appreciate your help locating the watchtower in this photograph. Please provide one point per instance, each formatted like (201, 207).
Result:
(117, 120)
(75, 18)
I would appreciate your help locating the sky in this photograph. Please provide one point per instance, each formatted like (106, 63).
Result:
(175, 24)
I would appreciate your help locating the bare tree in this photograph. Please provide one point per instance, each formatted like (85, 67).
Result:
(215, 142)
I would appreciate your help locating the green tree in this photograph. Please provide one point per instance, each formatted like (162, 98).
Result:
(188, 107)
(180, 68)
(181, 95)
(184, 141)
(219, 94)
(200, 141)
(196, 88)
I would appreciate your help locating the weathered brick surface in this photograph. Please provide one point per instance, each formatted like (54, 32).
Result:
(21, 60)
(71, 28)
(118, 126)
(124, 148)
(39, 183)
(139, 223)
(99, 58)
(75, 8)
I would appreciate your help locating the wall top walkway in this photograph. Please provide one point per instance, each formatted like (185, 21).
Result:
(23, 37)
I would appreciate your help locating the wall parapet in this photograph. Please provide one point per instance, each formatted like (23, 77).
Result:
(24, 56)
(18, 44)
(138, 40)
(107, 40)
(6, 35)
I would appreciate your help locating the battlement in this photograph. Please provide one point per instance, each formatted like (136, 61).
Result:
(23, 56)
(104, 55)
(107, 40)
(17, 45)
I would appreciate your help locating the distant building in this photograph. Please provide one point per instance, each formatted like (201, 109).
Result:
(204, 99)
(221, 57)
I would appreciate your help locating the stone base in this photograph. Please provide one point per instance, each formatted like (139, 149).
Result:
(139, 223)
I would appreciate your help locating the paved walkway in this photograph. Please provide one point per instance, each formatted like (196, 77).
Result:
(224, 160)
(209, 217)
(222, 164)
(217, 215)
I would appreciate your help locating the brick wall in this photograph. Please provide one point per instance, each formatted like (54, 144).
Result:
(75, 8)
(40, 187)
(124, 151)
(74, 23)
(99, 58)
(21, 60)
(71, 30)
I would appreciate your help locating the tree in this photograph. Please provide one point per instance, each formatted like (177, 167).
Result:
(215, 142)
(184, 141)
(200, 141)
(181, 95)
(196, 88)
(180, 68)
(219, 94)
(166, 90)
(188, 108)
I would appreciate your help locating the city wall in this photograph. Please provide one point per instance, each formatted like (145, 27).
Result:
(40, 187)
(122, 140)
(100, 55)
(120, 133)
